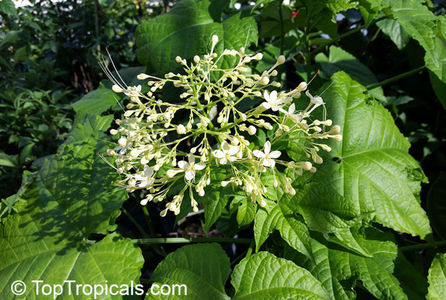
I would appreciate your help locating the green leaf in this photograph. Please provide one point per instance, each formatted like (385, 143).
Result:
(28, 255)
(246, 211)
(437, 278)
(214, 201)
(375, 272)
(369, 175)
(74, 190)
(341, 60)
(292, 229)
(439, 88)
(185, 31)
(203, 268)
(264, 276)
(421, 24)
(7, 160)
(413, 281)
(95, 102)
(90, 129)
(436, 205)
(336, 6)
(7, 7)
(395, 32)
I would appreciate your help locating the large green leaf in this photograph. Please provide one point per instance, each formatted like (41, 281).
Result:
(264, 276)
(7, 7)
(185, 31)
(437, 278)
(395, 31)
(369, 175)
(203, 268)
(95, 102)
(341, 60)
(315, 7)
(376, 272)
(421, 24)
(74, 188)
(439, 88)
(292, 229)
(26, 254)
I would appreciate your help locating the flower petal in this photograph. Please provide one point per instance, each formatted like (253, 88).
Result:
(233, 150)
(267, 147)
(218, 153)
(258, 154)
(266, 105)
(273, 96)
(199, 166)
(189, 175)
(183, 164)
(275, 154)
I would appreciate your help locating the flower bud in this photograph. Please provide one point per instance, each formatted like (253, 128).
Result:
(337, 138)
(302, 86)
(181, 129)
(252, 130)
(281, 60)
(214, 39)
(117, 89)
(264, 81)
(142, 76)
(122, 142)
(335, 129)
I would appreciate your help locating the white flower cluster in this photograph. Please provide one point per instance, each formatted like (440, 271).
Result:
(182, 144)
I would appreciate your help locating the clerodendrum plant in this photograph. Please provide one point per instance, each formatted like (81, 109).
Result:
(161, 143)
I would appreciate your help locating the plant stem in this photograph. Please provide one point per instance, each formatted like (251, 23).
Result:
(140, 229)
(190, 240)
(395, 78)
(423, 246)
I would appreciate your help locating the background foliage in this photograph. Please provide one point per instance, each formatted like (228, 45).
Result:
(369, 224)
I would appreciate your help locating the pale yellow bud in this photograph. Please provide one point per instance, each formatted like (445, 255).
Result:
(214, 39)
(281, 60)
(181, 129)
(142, 76)
(122, 142)
(252, 130)
(117, 89)
(302, 86)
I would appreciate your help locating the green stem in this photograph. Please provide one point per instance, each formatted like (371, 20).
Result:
(140, 229)
(190, 240)
(395, 78)
(423, 246)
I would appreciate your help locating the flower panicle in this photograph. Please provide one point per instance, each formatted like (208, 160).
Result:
(204, 139)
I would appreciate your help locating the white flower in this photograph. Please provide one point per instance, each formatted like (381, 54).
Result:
(226, 153)
(143, 180)
(190, 167)
(272, 101)
(290, 113)
(267, 157)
